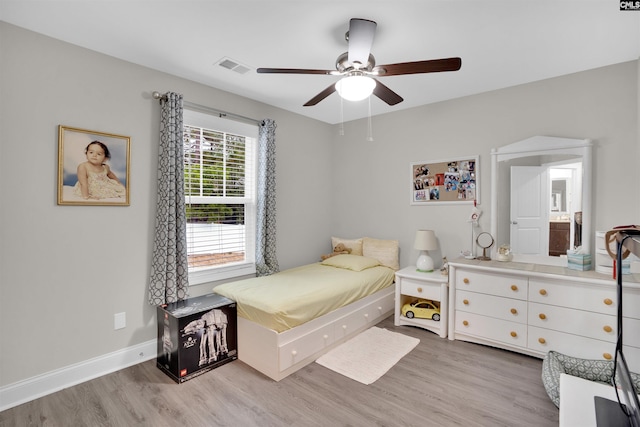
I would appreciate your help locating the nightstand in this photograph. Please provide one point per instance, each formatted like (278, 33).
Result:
(412, 285)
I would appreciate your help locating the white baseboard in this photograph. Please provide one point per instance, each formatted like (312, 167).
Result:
(50, 382)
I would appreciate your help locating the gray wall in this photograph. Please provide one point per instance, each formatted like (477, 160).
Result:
(372, 191)
(64, 271)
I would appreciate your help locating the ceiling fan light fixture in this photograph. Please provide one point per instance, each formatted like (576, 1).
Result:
(355, 88)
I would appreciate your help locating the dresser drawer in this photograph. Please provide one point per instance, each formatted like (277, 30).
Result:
(493, 284)
(574, 295)
(578, 322)
(292, 353)
(544, 340)
(418, 289)
(632, 356)
(490, 328)
(514, 310)
(631, 303)
(631, 332)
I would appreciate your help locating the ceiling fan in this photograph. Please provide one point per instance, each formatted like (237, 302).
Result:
(358, 68)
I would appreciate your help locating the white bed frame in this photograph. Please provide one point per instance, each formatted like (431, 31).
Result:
(278, 355)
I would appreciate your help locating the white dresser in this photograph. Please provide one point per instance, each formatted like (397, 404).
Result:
(531, 309)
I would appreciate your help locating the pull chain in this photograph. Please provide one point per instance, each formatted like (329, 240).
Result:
(369, 125)
(341, 129)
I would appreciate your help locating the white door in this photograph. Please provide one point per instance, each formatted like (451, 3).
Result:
(529, 210)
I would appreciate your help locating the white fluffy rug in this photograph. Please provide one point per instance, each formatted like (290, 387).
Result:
(369, 355)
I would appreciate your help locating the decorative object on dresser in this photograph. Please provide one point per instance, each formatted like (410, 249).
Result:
(504, 253)
(425, 241)
(533, 309)
(411, 286)
(485, 241)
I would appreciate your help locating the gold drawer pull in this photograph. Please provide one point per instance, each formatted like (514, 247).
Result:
(465, 323)
(607, 356)
(542, 316)
(465, 302)
(543, 291)
(514, 311)
(542, 341)
(465, 281)
(419, 289)
(514, 288)
(514, 334)
(608, 301)
(607, 328)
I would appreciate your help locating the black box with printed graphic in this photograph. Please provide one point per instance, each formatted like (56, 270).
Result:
(196, 335)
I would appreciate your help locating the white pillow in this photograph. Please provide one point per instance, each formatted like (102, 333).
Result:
(385, 251)
(354, 244)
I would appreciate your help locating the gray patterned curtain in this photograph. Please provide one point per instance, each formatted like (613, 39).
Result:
(266, 260)
(169, 281)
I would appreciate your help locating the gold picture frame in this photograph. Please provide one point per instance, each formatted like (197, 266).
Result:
(451, 181)
(93, 168)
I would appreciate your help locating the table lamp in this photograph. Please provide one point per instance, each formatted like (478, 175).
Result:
(425, 241)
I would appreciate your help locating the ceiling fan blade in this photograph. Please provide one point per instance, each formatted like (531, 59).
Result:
(361, 33)
(386, 94)
(293, 71)
(417, 67)
(322, 95)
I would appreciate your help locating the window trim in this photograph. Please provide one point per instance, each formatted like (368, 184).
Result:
(201, 275)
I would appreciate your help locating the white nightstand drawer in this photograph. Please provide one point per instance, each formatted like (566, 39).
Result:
(419, 289)
(493, 284)
(492, 306)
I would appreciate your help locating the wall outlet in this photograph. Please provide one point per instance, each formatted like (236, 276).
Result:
(119, 320)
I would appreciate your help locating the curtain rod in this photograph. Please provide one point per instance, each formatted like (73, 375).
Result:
(202, 108)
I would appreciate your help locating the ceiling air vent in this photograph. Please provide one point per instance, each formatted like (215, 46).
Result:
(232, 65)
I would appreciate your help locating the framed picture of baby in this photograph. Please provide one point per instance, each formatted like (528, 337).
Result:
(93, 167)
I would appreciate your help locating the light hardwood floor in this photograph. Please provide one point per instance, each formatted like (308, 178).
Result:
(439, 383)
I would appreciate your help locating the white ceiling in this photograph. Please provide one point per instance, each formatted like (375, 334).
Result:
(502, 43)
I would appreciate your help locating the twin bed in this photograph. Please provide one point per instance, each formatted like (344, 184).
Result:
(288, 319)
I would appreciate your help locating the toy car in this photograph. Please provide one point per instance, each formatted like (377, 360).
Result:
(422, 308)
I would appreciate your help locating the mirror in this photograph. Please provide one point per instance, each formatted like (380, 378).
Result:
(485, 241)
(558, 171)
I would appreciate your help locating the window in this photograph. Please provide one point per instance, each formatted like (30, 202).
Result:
(220, 188)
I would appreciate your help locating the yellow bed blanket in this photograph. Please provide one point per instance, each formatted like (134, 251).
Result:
(292, 297)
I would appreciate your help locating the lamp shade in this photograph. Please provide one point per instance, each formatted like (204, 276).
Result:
(425, 240)
(355, 88)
